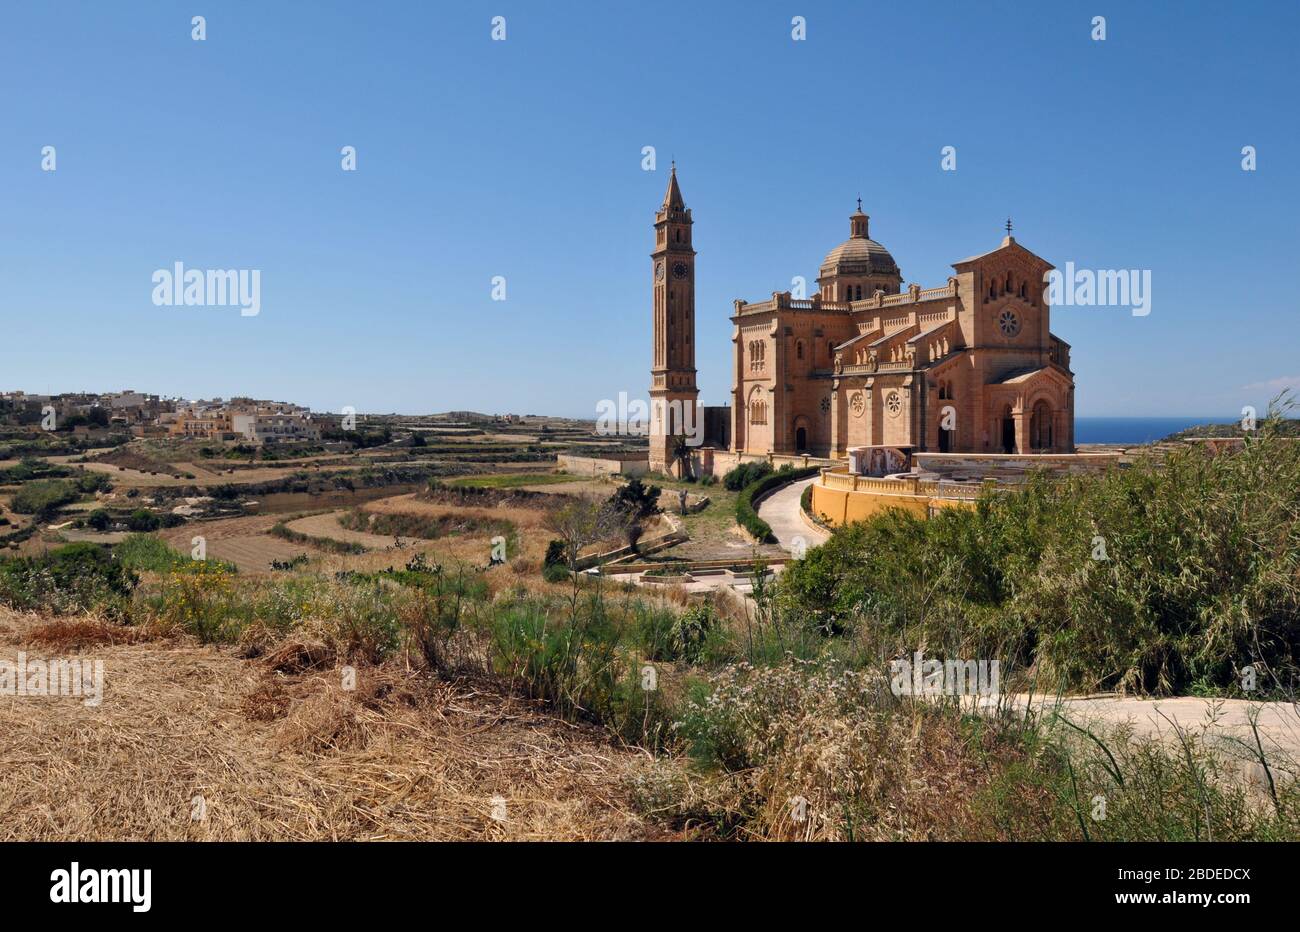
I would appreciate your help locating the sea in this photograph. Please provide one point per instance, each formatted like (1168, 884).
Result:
(1136, 429)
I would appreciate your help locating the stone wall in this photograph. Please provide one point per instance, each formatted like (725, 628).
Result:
(1012, 466)
(602, 466)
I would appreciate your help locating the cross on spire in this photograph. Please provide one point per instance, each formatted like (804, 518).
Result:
(859, 202)
(1008, 226)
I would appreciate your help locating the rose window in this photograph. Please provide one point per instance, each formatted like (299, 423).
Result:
(1008, 323)
(893, 403)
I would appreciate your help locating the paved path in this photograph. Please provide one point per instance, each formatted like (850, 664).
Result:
(1222, 722)
(781, 511)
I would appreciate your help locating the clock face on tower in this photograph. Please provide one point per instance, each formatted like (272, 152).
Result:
(681, 270)
(659, 271)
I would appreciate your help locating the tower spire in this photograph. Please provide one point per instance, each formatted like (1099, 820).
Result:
(673, 197)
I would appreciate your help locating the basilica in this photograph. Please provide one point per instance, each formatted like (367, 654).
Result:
(970, 366)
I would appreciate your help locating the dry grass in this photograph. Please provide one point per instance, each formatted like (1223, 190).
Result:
(276, 756)
(65, 634)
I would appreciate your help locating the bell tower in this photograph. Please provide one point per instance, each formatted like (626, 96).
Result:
(673, 392)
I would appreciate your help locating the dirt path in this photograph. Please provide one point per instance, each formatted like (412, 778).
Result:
(191, 742)
(781, 511)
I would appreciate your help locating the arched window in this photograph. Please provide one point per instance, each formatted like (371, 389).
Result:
(859, 293)
(798, 349)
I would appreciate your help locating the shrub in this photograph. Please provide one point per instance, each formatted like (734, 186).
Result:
(691, 632)
(635, 500)
(745, 474)
(43, 497)
(78, 577)
(427, 527)
(282, 530)
(91, 482)
(1200, 575)
(142, 520)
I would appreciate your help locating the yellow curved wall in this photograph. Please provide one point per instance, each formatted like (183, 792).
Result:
(839, 507)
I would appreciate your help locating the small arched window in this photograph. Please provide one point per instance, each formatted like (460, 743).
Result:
(798, 350)
(859, 293)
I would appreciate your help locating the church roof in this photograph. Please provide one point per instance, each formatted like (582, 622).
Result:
(1020, 376)
(1007, 241)
(859, 254)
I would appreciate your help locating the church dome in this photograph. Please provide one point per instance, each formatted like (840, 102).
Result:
(859, 254)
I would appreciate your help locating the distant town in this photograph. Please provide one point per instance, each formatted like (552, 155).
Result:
(242, 420)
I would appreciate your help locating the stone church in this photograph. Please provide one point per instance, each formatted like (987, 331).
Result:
(968, 367)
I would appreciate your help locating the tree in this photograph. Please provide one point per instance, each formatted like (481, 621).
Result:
(682, 456)
(635, 499)
(632, 504)
(579, 523)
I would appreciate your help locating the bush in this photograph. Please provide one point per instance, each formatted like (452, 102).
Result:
(76, 578)
(283, 531)
(142, 520)
(746, 474)
(1159, 578)
(44, 497)
(99, 520)
(91, 482)
(427, 527)
(691, 632)
(635, 500)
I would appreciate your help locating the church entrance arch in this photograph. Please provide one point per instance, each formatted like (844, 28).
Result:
(1008, 430)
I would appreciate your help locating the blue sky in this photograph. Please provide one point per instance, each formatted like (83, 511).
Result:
(522, 159)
